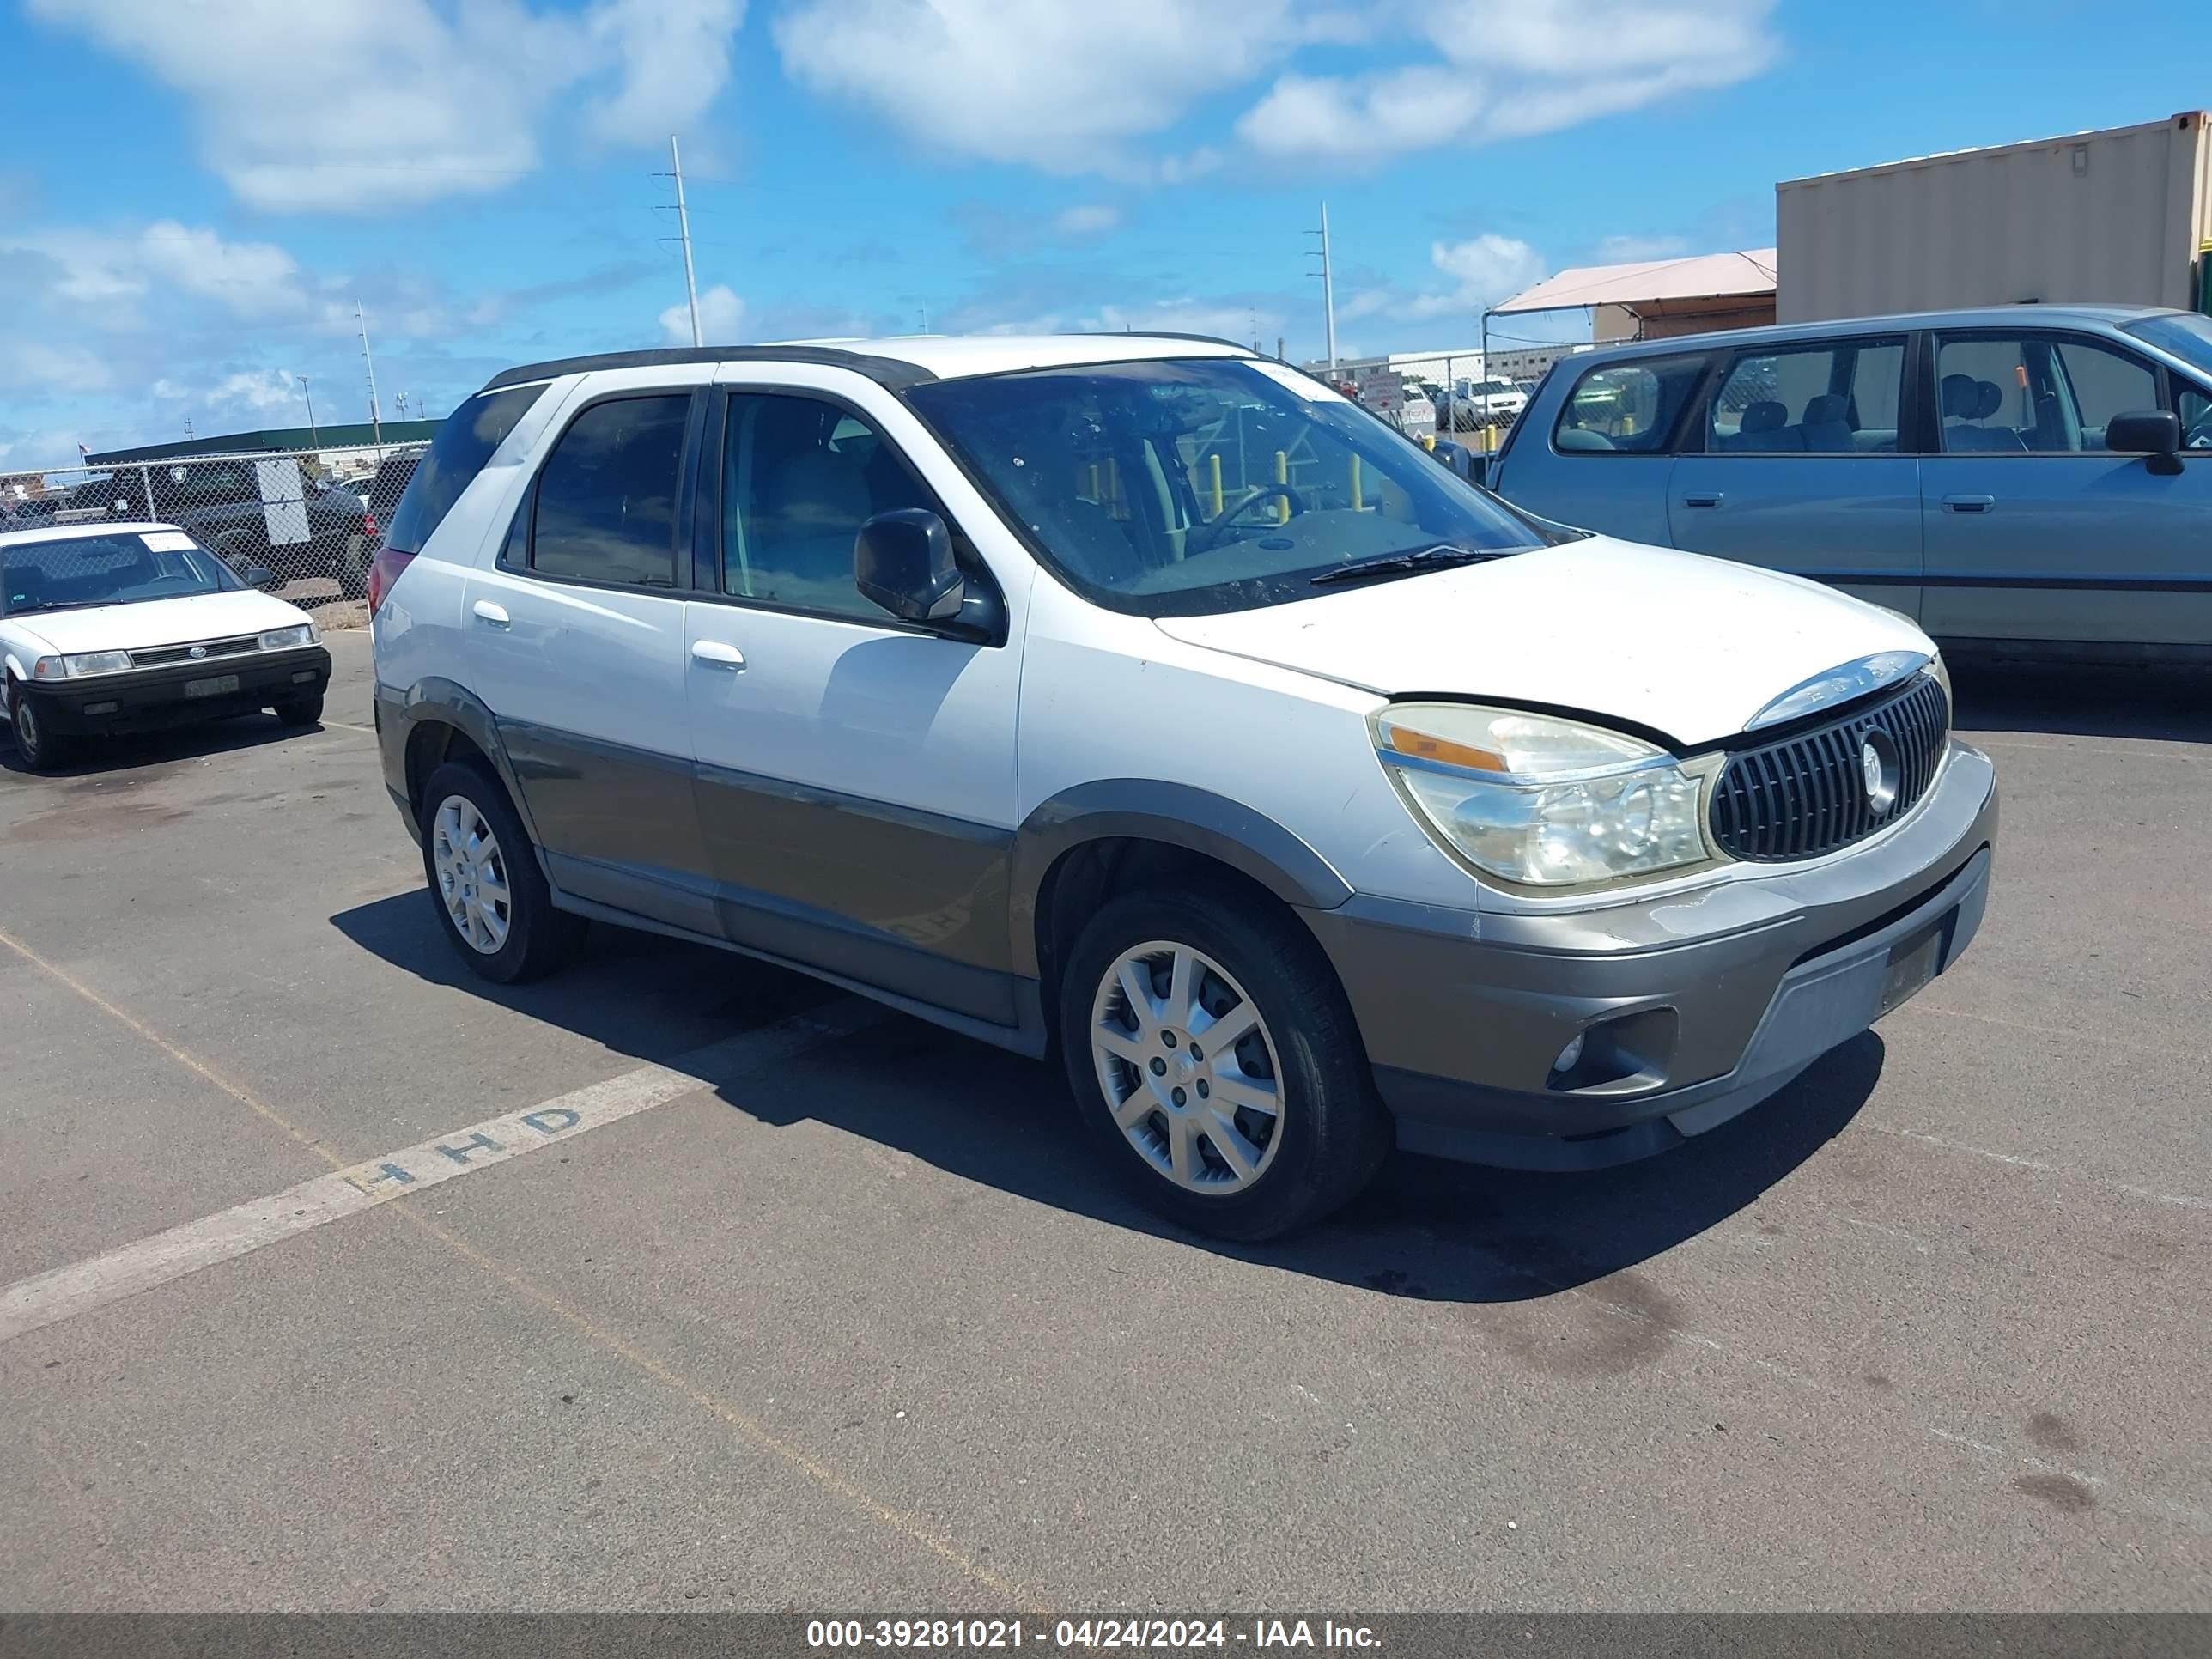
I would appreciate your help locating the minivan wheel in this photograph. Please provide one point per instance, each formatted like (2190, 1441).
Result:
(490, 896)
(1210, 1047)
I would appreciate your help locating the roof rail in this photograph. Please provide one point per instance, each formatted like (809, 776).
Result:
(891, 372)
(1244, 346)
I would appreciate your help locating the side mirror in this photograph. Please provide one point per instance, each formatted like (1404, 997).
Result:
(258, 575)
(902, 561)
(1457, 457)
(2153, 432)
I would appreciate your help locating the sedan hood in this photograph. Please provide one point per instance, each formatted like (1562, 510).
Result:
(159, 622)
(1681, 644)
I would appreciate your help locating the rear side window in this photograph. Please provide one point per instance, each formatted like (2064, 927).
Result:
(456, 455)
(1626, 408)
(1840, 397)
(606, 499)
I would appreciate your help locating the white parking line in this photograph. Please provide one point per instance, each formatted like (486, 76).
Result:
(63, 1292)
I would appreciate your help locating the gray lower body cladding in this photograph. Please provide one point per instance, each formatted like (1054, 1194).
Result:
(1465, 1014)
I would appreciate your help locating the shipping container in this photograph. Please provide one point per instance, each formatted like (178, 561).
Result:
(2121, 216)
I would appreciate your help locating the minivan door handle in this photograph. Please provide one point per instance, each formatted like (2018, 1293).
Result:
(488, 613)
(1970, 503)
(1702, 498)
(716, 654)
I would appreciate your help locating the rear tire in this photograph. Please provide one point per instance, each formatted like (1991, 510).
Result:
(1304, 1130)
(490, 896)
(39, 748)
(307, 711)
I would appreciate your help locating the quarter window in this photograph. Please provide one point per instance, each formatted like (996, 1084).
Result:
(1628, 408)
(1838, 399)
(606, 500)
(800, 478)
(465, 440)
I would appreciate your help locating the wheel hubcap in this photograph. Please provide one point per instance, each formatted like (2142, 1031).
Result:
(471, 873)
(1187, 1067)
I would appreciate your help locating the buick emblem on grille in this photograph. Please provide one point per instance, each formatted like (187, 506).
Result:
(196, 651)
(1878, 767)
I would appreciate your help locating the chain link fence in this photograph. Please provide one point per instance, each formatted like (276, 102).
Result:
(314, 525)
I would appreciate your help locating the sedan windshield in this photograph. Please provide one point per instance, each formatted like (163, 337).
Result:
(71, 573)
(1167, 488)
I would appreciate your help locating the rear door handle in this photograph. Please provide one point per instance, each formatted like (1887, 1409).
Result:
(716, 654)
(486, 612)
(1970, 503)
(1703, 498)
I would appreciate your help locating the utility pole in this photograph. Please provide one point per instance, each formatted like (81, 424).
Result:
(376, 419)
(188, 428)
(1327, 286)
(683, 236)
(313, 436)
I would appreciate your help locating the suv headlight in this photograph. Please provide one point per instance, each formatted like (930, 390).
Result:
(84, 662)
(1541, 801)
(287, 639)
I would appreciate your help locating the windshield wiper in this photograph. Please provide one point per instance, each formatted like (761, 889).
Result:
(1441, 557)
(64, 605)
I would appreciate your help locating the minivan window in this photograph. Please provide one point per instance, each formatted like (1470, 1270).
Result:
(1180, 486)
(465, 440)
(2034, 393)
(1838, 398)
(1628, 408)
(800, 478)
(606, 500)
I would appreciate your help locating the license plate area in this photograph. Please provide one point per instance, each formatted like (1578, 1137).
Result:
(1912, 963)
(221, 685)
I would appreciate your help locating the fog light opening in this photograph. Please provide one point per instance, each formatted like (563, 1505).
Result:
(1625, 1054)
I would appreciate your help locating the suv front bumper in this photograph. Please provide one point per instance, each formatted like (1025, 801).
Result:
(1694, 1006)
(150, 699)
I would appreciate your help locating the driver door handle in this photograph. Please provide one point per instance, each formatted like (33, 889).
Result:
(1702, 498)
(1969, 503)
(490, 614)
(716, 654)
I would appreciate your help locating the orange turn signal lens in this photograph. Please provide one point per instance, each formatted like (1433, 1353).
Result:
(1421, 746)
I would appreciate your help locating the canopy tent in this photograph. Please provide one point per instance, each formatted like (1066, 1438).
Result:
(1650, 298)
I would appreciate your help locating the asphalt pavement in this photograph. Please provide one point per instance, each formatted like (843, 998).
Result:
(815, 1306)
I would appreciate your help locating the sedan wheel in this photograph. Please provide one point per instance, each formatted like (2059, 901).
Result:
(1187, 1068)
(471, 873)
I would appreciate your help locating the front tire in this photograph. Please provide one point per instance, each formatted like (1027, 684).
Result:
(491, 898)
(39, 748)
(306, 711)
(1211, 1050)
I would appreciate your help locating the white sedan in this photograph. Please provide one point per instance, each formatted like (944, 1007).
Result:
(132, 627)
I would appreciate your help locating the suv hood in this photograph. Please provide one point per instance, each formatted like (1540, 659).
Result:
(151, 623)
(1685, 645)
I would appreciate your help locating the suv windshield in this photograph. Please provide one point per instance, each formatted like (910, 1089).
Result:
(1170, 487)
(71, 572)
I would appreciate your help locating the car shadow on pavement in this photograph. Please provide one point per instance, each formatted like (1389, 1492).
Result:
(99, 756)
(1427, 1228)
(2165, 703)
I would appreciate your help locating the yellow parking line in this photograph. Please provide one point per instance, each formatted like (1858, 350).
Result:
(748, 1427)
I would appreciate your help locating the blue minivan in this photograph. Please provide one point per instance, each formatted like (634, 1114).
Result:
(2017, 476)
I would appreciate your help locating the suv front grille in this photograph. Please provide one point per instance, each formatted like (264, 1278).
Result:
(1808, 794)
(168, 656)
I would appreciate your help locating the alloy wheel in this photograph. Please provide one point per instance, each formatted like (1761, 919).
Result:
(1187, 1067)
(471, 872)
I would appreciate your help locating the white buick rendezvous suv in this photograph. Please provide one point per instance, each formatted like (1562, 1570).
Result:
(1144, 702)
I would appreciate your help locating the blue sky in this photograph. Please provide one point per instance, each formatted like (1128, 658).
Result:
(193, 194)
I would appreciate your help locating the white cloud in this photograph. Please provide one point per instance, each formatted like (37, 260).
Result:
(1512, 68)
(1483, 270)
(721, 316)
(61, 369)
(1061, 84)
(1092, 219)
(350, 104)
(256, 391)
(102, 275)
